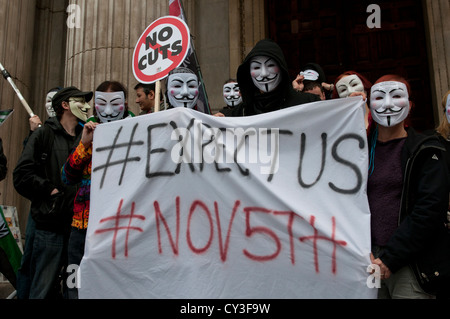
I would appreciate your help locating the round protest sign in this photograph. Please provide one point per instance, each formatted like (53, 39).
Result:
(161, 48)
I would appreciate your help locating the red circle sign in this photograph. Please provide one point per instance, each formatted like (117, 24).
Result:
(161, 48)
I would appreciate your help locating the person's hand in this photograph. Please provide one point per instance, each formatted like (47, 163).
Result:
(54, 191)
(328, 86)
(297, 84)
(88, 134)
(219, 114)
(35, 122)
(385, 272)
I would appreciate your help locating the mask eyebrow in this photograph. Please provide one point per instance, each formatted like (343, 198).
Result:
(115, 99)
(396, 90)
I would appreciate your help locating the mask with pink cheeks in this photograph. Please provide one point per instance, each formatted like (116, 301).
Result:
(389, 103)
(183, 90)
(110, 106)
(265, 73)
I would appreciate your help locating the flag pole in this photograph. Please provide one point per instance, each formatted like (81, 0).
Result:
(157, 95)
(196, 61)
(7, 77)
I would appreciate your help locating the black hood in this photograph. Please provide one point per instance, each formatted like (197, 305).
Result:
(267, 48)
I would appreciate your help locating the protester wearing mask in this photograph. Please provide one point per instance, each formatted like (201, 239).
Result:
(37, 176)
(351, 83)
(110, 105)
(408, 198)
(182, 88)
(264, 83)
(231, 96)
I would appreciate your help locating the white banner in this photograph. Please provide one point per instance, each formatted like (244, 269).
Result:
(187, 205)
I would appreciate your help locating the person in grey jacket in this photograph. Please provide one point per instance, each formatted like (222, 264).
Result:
(37, 177)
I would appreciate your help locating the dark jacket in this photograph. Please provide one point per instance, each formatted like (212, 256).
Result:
(422, 239)
(283, 96)
(35, 179)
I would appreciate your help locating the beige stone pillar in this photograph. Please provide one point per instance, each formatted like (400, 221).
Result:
(247, 26)
(102, 47)
(49, 49)
(16, 52)
(438, 25)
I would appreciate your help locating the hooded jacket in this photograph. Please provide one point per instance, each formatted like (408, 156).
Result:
(255, 102)
(35, 180)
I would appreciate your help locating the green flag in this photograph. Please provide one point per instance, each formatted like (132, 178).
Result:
(4, 114)
(9, 243)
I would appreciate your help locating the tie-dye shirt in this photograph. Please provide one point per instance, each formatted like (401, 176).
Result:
(77, 169)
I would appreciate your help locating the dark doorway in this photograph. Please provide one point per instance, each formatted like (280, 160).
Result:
(335, 34)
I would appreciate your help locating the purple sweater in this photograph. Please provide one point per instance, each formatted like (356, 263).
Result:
(384, 190)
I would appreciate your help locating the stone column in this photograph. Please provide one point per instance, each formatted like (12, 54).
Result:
(101, 47)
(438, 25)
(16, 55)
(247, 26)
(49, 50)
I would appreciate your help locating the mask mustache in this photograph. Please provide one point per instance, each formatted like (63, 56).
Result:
(267, 79)
(392, 110)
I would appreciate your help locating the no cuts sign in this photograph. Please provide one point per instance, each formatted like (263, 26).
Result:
(161, 48)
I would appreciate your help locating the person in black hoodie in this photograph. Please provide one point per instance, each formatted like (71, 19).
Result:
(264, 82)
(37, 177)
(408, 198)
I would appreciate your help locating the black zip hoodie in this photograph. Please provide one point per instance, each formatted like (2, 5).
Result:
(35, 182)
(255, 102)
(422, 240)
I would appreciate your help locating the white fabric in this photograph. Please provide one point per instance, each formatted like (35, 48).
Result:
(204, 232)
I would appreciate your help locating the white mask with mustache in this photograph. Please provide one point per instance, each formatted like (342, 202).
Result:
(232, 94)
(265, 73)
(110, 106)
(182, 89)
(389, 103)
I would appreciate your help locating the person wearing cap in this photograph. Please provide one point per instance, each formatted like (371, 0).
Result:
(37, 177)
(23, 278)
